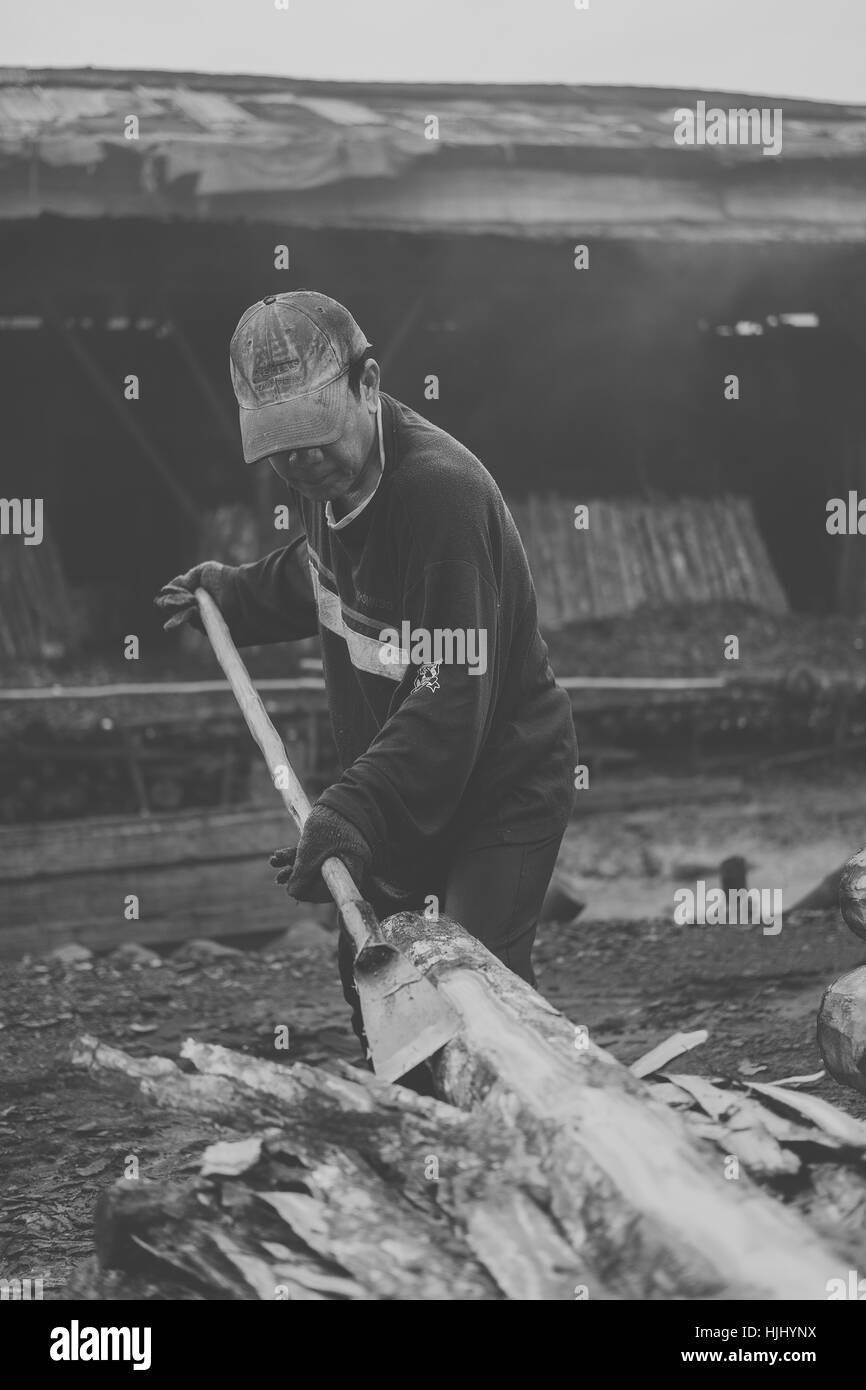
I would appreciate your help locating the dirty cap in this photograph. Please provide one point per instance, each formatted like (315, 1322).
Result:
(289, 356)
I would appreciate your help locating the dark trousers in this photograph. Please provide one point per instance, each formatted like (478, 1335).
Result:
(495, 893)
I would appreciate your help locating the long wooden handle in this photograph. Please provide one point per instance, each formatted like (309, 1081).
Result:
(340, 883)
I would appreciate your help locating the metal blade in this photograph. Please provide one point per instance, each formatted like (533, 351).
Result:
(405, 1019)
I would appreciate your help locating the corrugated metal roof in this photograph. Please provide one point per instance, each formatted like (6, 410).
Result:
(202, 138)
(584, 118)
(276, 142)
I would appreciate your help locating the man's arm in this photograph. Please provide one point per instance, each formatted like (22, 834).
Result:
(270, 600)
(409, 782)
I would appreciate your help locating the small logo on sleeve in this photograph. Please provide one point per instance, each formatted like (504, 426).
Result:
(427, 678)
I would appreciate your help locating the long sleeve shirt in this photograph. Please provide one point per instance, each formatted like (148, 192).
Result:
(450, 727)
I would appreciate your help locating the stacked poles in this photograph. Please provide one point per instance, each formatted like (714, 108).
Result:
(635, 553)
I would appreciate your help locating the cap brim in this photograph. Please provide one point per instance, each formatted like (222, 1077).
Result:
(301, 423)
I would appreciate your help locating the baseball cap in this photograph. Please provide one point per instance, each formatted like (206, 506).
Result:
(289, 358)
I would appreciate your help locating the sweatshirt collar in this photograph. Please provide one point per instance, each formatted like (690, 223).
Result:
(350, 517)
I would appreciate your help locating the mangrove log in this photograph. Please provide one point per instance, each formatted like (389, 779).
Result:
(651, 1213)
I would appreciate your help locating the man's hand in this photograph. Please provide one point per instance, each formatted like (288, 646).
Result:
(177, 598)
(325, 835)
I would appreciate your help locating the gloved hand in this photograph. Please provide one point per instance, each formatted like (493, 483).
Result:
(325, 834)
(177, 597)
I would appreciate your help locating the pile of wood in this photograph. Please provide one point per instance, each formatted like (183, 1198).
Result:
(635, 553)
(542, 1170)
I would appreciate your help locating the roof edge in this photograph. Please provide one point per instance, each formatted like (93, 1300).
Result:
(250, 83)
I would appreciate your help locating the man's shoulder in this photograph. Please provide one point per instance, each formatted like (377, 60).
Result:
(430, 464)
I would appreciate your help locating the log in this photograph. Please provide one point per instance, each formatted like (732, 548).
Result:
(627, 1182)
(177, 901)
(94, 843)
(323, 1188)
(311, 1166)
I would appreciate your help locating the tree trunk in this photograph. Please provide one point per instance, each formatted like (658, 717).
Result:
(651, 1215)
(551, 1173)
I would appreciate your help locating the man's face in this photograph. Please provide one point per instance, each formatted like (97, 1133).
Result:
(324, 472)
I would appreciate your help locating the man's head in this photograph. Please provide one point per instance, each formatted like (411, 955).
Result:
(308, 388)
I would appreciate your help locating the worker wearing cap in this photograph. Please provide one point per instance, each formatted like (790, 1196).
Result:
(457, 779)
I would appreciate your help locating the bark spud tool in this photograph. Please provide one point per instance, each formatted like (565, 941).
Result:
(405, 1019)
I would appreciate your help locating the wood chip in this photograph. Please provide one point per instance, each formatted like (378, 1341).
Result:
(811, 1080)
(665, 1052)
(821, 1113)
(744, 1130)
(229, 1159)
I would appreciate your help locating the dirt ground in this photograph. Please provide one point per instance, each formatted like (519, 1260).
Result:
(621, 968)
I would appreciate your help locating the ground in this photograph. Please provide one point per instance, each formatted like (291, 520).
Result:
(63, 1136)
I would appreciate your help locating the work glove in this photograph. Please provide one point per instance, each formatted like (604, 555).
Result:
(176, 599)
(326, 834)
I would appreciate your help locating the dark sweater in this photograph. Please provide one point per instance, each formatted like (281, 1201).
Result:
(434, 756)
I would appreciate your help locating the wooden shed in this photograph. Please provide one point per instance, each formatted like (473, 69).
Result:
(142, 211)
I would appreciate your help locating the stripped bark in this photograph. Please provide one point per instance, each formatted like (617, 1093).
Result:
(337, 1185)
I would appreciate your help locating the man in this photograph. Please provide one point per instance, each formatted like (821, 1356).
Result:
(457, 746)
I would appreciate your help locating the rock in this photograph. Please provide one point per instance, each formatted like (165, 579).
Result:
(852, 894)
(71, 954)
(202, 951)
(230, 1158)
(842, 1029)
(303, 937)
(132, 954)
